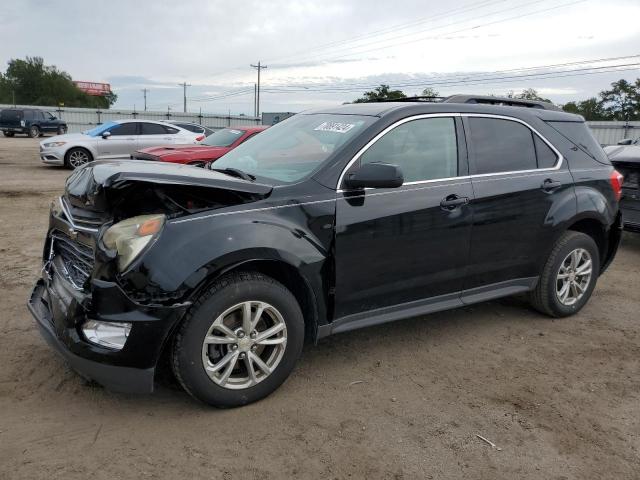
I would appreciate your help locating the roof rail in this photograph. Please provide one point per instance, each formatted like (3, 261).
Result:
(417, 98)
(490, 100)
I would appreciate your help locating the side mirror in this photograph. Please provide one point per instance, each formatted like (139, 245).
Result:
(106, 135)
(375, 175)
(626, 141)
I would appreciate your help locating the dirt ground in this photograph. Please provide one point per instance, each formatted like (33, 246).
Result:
(560, 399)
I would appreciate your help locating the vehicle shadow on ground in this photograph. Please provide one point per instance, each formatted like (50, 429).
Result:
(328, 358)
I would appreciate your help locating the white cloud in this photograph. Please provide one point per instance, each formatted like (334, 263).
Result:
(210, 44)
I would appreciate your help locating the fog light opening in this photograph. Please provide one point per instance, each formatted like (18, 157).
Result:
(107, 334)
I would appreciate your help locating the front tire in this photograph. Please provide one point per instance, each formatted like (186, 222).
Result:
(34, 131)
(62, 130)
(568, 277)
(77, 157)
(240, 340)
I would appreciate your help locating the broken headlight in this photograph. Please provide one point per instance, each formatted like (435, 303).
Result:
(107, 334)
(129, 237)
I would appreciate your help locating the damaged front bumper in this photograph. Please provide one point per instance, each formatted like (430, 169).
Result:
(60, 310)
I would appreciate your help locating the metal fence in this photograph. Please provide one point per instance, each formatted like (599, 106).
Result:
(610, 133)
(80, 119)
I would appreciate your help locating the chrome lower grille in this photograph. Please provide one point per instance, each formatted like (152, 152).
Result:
(77, 259)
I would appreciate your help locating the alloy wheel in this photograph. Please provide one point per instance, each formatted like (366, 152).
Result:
(244, 345)
(77, 158)
(574, 276)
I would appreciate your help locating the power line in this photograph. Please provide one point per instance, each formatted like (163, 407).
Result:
(401, 26)
(486, 81)
(434, 37)
(311, 86)
(456, 11)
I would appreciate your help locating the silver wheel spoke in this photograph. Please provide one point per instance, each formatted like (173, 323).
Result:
(269, 332)
(272, 341)
(225, 360)
(217, 340)
(584, 269)
(221, 327)
(263, 366)
(252, 371)
(231, 365)
(246, 317)
(258, 314)
(579, 288)
(564, 291)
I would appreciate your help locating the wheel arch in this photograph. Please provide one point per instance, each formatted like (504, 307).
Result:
(76, 147)
(607, 237)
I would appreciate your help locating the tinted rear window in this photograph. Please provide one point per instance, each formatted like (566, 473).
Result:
(11, 115)
(579, 134)
(501, 146)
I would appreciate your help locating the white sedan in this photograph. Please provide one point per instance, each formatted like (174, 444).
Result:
(110, 140)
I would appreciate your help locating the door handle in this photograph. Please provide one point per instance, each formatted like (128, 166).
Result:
(550, 185)
(452, 202)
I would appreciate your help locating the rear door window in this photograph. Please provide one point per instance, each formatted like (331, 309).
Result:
(547, 158)
(501, 145)
(153, 129)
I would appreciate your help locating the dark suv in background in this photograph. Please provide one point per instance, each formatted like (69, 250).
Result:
(30, 121)
(329, 221)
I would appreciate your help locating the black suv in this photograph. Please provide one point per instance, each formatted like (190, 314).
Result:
(329, 221)
(30, 121)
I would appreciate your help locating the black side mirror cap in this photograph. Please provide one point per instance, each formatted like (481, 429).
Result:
(626, 141)
(375, 175)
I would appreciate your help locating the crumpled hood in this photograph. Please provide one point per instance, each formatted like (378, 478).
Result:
(186, 152)
(85, 188)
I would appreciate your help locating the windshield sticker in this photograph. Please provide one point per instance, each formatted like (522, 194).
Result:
(335, 127)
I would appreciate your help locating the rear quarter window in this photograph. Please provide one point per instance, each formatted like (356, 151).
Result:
(580, 135)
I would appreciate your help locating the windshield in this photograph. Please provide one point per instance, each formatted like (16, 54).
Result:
(293, 148)
(94, 132)
(223, 138)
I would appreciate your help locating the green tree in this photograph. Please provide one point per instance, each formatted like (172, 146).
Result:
(590, 109)
(31, 82)
(382, 92)
(430, 92)
(528, 94)
(622, 101)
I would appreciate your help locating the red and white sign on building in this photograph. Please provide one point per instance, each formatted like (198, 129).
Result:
(94, 88)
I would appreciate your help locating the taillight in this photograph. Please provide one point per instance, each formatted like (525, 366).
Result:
(200, 138)
(616, 180)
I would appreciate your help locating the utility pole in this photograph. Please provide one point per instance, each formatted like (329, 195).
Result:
(144, 92)
(184, 89)
(13, 96)
(255, 97)
(259, 67)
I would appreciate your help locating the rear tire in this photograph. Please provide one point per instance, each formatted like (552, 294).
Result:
(34, 131)
(220, 364)
(9, 134)
(568, 277)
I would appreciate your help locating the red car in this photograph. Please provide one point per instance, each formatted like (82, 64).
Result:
(211, 148)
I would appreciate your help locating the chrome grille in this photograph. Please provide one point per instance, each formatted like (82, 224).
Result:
(77, 259)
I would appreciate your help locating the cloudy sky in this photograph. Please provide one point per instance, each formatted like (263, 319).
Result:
(329, 51)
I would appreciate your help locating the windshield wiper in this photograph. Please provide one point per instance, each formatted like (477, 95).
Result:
(235, 172)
